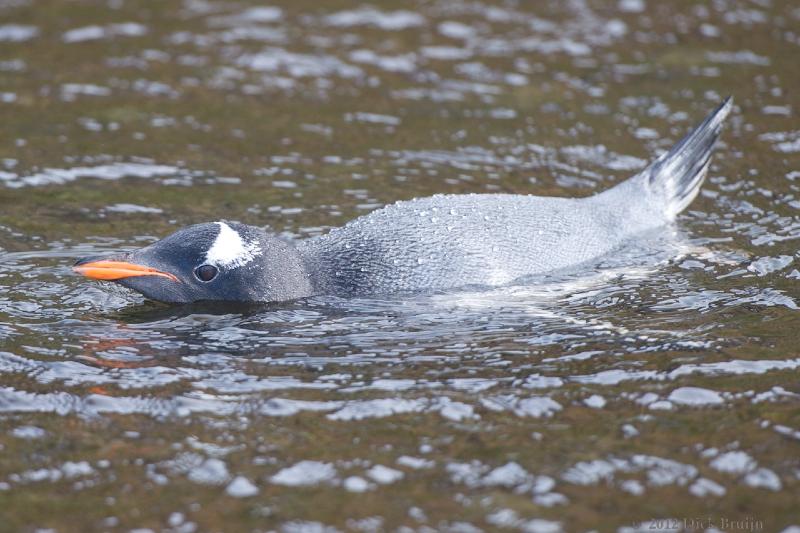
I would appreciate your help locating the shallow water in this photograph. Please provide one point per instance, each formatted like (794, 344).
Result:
(662, 389)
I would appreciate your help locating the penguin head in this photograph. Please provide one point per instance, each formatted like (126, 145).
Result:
(216, 261)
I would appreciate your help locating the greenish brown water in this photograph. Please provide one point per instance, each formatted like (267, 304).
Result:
(665, 393)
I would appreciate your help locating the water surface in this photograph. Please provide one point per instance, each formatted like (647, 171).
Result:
(657, 396)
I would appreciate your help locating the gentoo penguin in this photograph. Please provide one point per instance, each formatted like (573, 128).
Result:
(435, 243)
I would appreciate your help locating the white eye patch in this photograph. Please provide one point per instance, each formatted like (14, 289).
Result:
(230, 250)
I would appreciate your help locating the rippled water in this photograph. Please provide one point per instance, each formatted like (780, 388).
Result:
(660, 396)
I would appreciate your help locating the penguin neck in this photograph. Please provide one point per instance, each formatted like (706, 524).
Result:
(318, 265)
(283, 272)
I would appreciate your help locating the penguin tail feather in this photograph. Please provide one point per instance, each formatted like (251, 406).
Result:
(677, 175)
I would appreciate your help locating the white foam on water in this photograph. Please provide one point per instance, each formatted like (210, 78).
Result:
(537, 406)
(307, 526)
(356, 484)
(131, 209)
(384, 475)
(299, 65)
(241, 487)
(417, 463)
(452, 410)
(262, 14)
(472, 384)
(456, 30)
(70, 90)
(509, 475)
(703, 487)
(741, 57)
(396, 63)
(372, 118)
(590, 472)
(68, 470)
(368, 16)
(305, 473)
(763, 478)
(209, 472)
(631, 6)
(17, 32)
(768, 265)
(379, 408)
(93, 33)
(695, 396)
(468, 474)
(445, 53)
(736, 462)
(537, 381)
(112, 171)
(595, 401)
(28, 432)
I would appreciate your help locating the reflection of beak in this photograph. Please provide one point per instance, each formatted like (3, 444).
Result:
(113, 270)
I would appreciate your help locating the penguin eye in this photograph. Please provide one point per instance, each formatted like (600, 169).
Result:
(206, 272)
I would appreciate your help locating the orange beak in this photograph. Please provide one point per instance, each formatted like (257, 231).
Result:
(113, 270)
